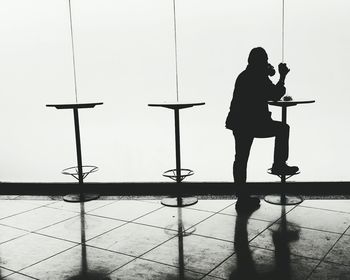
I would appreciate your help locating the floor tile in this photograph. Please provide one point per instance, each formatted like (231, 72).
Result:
(301, 241)
(29, 249)
(88, 226)
(125, 210)
(168, 217)
(154, 201)
(267, 212)
(255, 263)
(132, 239)
(37, 218)
(224, 226)
(294, 244)
(211, 278)
(81, 262)
(8, 233)
(342, 205)
(12, 207)
(143, 269)
(212, 205)
(196, 253)
(320, 219)
(328, 271)
(340, 252)
(76, 207)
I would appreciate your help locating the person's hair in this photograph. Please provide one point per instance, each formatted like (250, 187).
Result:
(257, 56)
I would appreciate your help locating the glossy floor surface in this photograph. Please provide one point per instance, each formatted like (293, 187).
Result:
(41, 238)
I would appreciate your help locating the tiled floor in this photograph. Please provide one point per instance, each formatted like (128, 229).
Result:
(41, 238)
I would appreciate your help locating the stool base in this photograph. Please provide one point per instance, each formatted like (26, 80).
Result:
(83, 197)
(283, 199)
(179, 201)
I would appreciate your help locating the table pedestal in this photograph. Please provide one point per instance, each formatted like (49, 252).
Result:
(81, 196)
(178, 174)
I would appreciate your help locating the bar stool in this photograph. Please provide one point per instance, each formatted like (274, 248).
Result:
(178, 174)
(79, 172)
(284, 199)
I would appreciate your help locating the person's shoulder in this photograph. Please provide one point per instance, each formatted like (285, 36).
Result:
(243, 75)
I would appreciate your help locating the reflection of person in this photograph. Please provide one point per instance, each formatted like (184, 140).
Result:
(249, 117)
(263, 268)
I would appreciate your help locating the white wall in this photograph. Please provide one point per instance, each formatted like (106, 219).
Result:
(125, 58)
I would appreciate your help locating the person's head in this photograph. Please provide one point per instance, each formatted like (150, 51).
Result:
(258, 58)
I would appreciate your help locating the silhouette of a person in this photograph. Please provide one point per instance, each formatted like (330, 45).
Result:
(246, 267)
(249, 117)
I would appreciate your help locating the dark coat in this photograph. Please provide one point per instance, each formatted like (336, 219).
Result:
(249, 107)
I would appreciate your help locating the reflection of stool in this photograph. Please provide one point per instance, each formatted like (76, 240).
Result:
(284, 199)
(79, 172)
(178, 174)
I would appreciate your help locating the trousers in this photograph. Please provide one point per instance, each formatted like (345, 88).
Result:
(244, 139)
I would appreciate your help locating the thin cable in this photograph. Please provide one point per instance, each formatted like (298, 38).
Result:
(73, 54)
(176, 67)
(282, 30)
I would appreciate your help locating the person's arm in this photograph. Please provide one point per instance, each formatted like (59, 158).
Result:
(278, 90)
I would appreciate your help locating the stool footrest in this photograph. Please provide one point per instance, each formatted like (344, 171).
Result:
(172, 174)
(74, 171)
(280, 175)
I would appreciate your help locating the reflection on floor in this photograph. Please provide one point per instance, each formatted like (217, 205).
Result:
(41, 238)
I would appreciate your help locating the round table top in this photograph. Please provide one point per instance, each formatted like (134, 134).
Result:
(282, 103)
(176, 105)
(74, 105)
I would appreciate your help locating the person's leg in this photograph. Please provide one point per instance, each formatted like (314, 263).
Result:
(281, 133)
(243, 144)
(281, 151)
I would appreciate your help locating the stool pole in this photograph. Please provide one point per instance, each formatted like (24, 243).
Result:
(177, 145)
(77, 142)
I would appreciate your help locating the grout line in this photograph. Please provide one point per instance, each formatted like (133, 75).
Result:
(14, 273)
